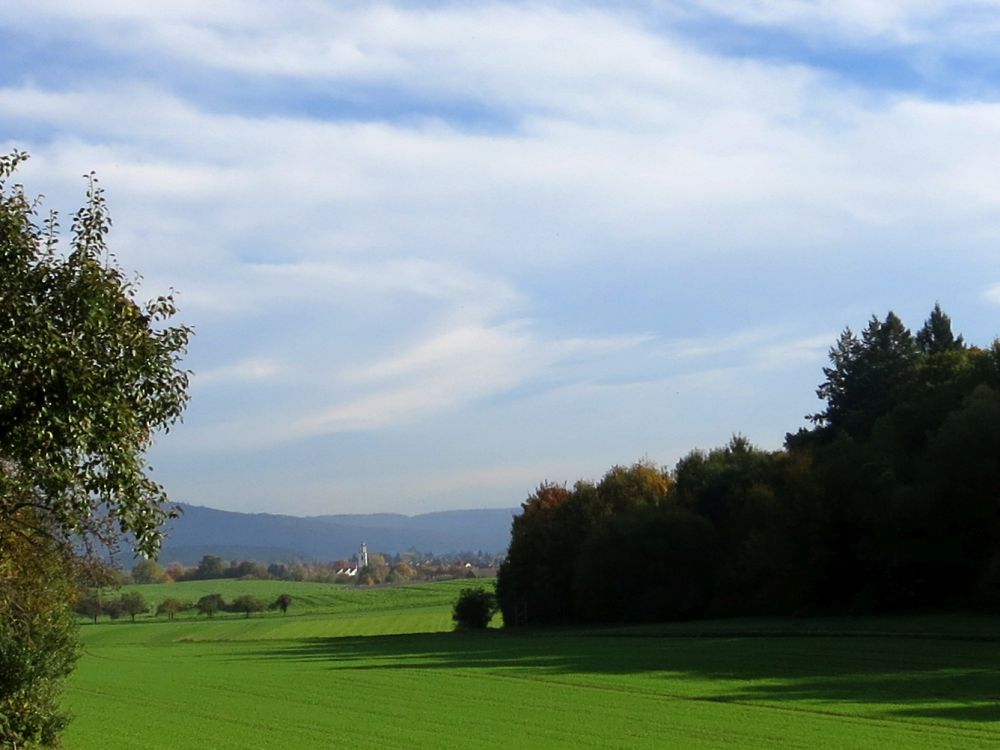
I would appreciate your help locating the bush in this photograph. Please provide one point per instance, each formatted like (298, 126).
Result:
(474, 609)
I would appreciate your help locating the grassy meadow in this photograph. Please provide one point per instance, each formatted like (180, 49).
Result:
(348, 667)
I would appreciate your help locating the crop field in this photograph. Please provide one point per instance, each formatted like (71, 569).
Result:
(378, 668)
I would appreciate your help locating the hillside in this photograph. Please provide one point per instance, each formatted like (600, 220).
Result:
(270, 537)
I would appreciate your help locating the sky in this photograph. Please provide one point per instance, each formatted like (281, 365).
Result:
(436, 253)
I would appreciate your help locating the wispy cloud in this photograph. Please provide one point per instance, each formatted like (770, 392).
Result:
(902, 21)
(247, 370)
(453, 368)
(391, 218)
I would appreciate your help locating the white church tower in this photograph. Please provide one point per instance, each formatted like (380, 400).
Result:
(363, 557)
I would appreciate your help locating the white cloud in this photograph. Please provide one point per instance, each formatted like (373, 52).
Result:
(453, 368)
(809, 350)
(691, 348)
(247, 370)
(899, 21)
(368, 269)
(992, 294)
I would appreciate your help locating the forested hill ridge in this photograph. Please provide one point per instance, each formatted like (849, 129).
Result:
(271, 537)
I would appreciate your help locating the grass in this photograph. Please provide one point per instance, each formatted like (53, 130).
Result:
(376, 668)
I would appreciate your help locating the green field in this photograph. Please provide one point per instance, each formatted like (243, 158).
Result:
(377, 668)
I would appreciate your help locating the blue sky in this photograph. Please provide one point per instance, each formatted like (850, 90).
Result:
(436, 253)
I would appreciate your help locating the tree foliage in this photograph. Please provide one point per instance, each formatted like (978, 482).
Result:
(148, 571)
(246, 604)
(133, 603)
(38, 646)
(648, 564)
(171, 606)
(89, 375)
(88, 603)
(210, 604)
(535, 583)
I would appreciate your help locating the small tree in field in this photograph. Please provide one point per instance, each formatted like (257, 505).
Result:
(89, 605)
(133, 604)
(210, 604)
(283, 602)
(171, 606)
(247, 604)
(474, 609)
(112, 608)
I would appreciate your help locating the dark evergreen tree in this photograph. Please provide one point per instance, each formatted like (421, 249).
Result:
(866, 376)
(936, 336)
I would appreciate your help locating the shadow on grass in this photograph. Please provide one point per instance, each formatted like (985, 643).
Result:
(950, 680)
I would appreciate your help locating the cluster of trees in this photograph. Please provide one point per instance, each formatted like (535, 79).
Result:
(91, 605)
(401, 569)
(89, 376)
(888, 501)
(380, 569)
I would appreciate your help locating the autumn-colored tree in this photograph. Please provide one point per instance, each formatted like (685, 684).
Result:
(148, 571)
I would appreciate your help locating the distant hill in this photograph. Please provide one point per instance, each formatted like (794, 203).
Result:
(270, 537)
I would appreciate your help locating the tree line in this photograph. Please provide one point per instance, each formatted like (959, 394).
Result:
(91, 604)
(889, 500)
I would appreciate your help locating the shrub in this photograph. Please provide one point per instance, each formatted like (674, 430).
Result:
(474, 609)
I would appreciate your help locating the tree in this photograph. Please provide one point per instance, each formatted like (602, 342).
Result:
(211, 566)
(88, 604)
(88, 376)
(676, 555)
(38, 645)
(113, 608)
(866, 376)
(210, 604)
(401, 573)
(132, 604)
(534, 582)
(474, 609)
(171, 606)
(643, 484)
(247, 604)
(148, 571)
(283, 602)
(936, 335)
(375, 572)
